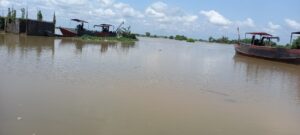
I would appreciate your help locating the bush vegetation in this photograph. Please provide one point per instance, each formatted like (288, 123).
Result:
(190, 40)
(180, 37)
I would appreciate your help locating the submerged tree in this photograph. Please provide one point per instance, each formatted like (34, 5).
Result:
(39, 15)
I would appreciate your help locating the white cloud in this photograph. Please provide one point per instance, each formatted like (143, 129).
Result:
(105, 3)
(127, 11)
(216, 18)
(106, 12)
(163, 13)
(247, 23)
(293, 24)
(157, 10)
(4, 3)
(273, 26)
(67, 2)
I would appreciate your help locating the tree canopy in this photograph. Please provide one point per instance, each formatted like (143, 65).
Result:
(39, 16)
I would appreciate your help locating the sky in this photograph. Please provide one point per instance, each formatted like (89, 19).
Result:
(198, 19)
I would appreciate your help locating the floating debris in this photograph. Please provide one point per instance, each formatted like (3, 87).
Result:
(19, 118)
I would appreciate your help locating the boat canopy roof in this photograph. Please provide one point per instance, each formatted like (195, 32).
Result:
(103, 25)
(293, 33)
(259, 33)
(78, 20)
(296, 32)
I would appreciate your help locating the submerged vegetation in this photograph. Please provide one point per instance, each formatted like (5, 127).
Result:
(123, 35)
(124, 39)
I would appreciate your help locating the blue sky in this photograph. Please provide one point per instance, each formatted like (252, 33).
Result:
(193, 18)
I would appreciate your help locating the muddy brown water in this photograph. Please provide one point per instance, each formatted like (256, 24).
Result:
(54, 86)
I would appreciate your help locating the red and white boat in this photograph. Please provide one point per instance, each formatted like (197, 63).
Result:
(78, 31)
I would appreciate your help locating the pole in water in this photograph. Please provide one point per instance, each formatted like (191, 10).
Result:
(239, 35)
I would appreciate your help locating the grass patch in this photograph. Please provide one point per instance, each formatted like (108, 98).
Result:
(88, 38)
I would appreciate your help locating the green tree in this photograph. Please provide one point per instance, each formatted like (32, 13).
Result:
(54, 18)
(148, 34)
(8, 17)
(223, 40)
(180, 37)
(23, 13)
(39, 15)
(13, 15)
(171, 37)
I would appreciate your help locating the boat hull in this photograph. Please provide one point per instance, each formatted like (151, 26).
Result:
(278, 54)
(68, 32)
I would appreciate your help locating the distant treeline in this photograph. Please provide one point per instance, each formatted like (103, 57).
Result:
(176, 37)
(223, 40)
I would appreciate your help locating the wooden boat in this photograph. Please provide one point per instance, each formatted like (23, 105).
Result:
(78, 31)
(261, 47)
(105, 31)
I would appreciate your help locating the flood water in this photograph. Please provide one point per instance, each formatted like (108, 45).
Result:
(54, 86)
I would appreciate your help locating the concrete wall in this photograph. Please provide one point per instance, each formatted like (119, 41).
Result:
(13, 27)
(17, 27)
(31, 27)
(38, 28)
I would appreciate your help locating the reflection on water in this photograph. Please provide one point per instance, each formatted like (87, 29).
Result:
(24, 45)
(38, 44)
(275, 74)
(104, 46)
(153, 87)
